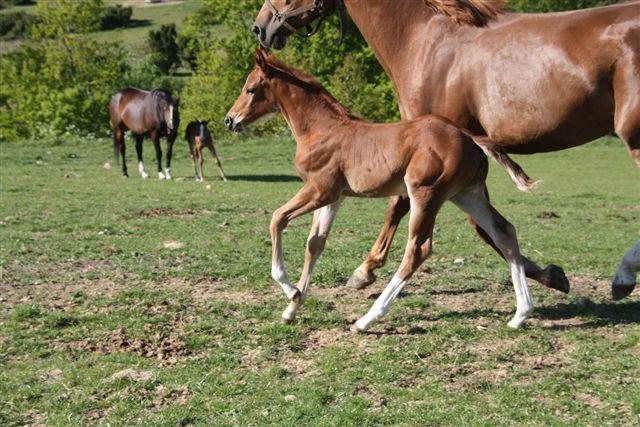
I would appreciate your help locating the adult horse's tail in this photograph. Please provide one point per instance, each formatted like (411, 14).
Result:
(497, 153)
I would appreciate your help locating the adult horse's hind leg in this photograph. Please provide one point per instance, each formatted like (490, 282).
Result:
(139, 139)
(155, 137)
(118, 144)
(552, 276)
(503, 234)
(322, 221)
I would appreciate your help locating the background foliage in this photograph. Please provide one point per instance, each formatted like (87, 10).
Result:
(59, 79)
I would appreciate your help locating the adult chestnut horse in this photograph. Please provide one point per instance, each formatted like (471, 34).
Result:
(428, 159)
(531, 82)
(153, 112)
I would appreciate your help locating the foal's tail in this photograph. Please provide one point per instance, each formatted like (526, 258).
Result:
(497, 153)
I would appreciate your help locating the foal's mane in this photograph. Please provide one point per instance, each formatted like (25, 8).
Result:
(473, 12)
(307, 82)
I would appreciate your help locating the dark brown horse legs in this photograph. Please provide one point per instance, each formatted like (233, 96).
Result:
(551, 277)
(156, 144)
(167, 171)
(118, 149)
(139, 139)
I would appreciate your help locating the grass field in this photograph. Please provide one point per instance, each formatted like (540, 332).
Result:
(100, 323)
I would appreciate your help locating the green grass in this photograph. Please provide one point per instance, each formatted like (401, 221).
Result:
(88, 290)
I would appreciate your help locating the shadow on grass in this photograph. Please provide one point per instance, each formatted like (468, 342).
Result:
(404, 294)
(264, 178)
(597, 315)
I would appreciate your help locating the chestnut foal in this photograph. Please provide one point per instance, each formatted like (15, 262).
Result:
(429, 159)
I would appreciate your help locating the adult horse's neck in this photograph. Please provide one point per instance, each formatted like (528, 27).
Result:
(391, 30)
(308, 112)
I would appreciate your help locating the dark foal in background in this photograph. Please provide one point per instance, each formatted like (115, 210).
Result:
(198, 136)
(153, 112)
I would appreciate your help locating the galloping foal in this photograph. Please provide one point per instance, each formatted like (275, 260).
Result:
(429, 159)
(198, 136)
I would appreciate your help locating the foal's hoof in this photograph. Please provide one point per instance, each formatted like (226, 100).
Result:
(361, 279)
(553, 277)
(619, 292)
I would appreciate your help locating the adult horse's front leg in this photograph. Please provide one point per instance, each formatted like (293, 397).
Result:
(322, 221)
(364, 275)
(167, 170)
(155, 137)
(624, 281)
(307, 200)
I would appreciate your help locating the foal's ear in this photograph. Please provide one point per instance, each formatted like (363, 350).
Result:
(261, 59)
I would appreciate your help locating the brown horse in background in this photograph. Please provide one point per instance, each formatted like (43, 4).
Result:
(198, 136)
(428, 159)
(153, 112)
(531, 82)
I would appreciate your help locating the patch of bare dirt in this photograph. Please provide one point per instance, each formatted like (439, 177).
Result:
(547, 215)
(155, 212)
(166, 348)
(133, 375)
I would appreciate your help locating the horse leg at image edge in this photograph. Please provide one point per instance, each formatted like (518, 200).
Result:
(167, 170)
(624, 281)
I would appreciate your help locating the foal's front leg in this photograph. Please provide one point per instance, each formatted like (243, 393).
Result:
(322, 221)
(308, 199)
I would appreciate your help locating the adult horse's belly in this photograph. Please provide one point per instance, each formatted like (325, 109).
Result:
(538, 99)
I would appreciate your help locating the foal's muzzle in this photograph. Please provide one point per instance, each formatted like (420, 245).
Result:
(233, 125)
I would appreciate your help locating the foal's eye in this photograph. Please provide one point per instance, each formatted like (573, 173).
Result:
(251, 90)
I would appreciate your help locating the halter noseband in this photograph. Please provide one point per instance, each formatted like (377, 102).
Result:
(280, 18)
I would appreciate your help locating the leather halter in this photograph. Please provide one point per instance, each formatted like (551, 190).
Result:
(279, 19)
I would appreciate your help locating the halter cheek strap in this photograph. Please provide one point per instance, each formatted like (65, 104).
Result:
(280, 18)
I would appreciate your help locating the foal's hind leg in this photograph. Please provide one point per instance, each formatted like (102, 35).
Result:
(364, 275)
(139, 139)
(215, 157)
(552, 276)
(322, 221)
(424, 208)
(475, 203)
(624, 281)
(193, 162)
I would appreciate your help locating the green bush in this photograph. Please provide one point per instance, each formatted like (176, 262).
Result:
(59, 85)
(162, 43)
(116, 17)
(58, 18)
(14, 25)
(554, 5)
(145, 74)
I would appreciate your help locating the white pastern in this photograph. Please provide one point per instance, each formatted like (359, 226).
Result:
(524, 303)
(143, 173)
(382, 304)
(160, 175)
(167, 173)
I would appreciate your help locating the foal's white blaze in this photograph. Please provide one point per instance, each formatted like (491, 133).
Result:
(144, 174)
(382, 304)
(630, 265)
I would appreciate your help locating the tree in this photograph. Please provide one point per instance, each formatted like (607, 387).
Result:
(163, 45)
(58, 18)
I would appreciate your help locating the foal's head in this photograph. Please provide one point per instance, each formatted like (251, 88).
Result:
(256, 99)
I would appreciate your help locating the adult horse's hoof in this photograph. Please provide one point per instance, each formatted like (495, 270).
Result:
(360, 279)
(125, 176)
(553, 277)
(619, 292)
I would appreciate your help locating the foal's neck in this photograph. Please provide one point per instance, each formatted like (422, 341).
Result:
(309, 111)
